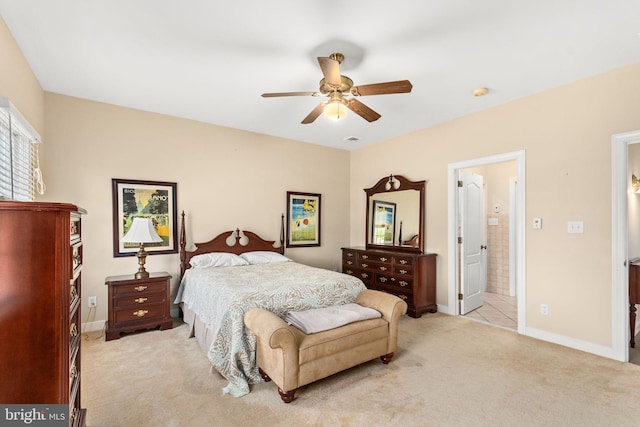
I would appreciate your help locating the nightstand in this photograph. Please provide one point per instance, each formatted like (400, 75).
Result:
(138, 304)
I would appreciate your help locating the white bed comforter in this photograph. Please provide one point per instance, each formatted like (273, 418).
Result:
(220, 296)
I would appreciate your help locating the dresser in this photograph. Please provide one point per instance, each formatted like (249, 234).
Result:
(138, 304)
(410, 276)
(40, 295)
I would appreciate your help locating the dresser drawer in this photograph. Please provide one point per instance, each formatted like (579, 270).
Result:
(404, 284)
(400, 293)
(140, 313)
(143, 288)
(403, 270)
(365, 276)
(403, 260)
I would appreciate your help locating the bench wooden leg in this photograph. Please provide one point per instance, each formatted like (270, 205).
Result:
(287, 396)
(386, 358)
(264, 375)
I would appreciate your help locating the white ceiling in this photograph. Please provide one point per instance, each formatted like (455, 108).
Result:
(210, 60)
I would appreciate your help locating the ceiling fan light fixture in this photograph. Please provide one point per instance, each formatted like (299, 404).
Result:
(335, 110)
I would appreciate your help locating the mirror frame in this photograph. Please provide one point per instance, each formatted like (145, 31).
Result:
(404, 184)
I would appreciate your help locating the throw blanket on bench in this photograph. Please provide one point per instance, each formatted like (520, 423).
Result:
(324, 318)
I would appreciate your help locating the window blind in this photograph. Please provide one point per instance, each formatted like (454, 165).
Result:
(19, 172)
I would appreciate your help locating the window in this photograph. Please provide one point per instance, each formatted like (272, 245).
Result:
(20, 175)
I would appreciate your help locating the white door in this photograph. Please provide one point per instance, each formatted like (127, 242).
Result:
(472, 270)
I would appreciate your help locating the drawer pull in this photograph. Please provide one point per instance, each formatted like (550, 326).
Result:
(403, 261)
(140, 300)
(365, 256)
(403, 271)
(349, 254)
(365, 265)
(383, 279)
(383, 259)
(73, 330)
(140, 313)
(403, 283)
(383, 268)
(140, 288)
(364, 275)
(349, 272)
(349, 262)
(404, 297)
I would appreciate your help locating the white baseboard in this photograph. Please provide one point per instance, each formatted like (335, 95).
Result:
(588, 347)
(98, 325)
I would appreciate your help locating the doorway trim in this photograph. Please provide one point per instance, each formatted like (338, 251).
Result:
(619, 244)
(454, 219)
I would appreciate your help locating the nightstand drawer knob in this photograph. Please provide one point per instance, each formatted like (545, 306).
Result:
(140, 300)
(140, 288)
(140, 313)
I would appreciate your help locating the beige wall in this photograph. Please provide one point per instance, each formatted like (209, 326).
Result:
(18, 83)
(225, 179)
(566, 133)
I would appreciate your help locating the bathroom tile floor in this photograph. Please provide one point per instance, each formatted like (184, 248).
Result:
(498, 310)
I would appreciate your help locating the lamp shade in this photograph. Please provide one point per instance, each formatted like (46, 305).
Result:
(142, 231)
(335, 110)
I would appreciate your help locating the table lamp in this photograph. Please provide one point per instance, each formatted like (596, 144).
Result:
(141, 231)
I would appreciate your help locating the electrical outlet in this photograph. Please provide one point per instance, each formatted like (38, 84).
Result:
(544, 309)
(93, 302)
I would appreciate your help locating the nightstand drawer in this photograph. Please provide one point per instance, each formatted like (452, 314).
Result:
(138, 288)
(145, 312)
(145, 299)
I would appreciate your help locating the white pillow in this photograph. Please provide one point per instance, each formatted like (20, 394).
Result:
(263, 257)
(216, 259)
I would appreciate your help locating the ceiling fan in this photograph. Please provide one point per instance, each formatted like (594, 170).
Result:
(341, 92)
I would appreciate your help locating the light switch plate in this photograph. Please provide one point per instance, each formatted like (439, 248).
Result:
(575, 227)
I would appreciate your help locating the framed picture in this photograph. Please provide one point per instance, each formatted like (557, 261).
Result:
(149, 199)
(303, 219)
(383, 227)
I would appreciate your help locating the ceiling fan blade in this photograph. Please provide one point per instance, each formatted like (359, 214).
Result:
(362, 110)
(400, 86)
(313, 114)
(275, 94)
(331, 70)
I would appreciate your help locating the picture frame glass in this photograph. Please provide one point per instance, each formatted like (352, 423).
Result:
(149, 199)
(303, 219)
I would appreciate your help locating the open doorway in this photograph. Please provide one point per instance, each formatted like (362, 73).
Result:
(489, 291)
(512, 209)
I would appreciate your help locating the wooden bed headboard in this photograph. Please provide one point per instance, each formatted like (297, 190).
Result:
(219, 244)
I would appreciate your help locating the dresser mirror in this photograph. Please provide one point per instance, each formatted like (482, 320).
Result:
(395, 214)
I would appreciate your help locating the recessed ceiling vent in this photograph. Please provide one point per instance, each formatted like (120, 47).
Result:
(352, 139)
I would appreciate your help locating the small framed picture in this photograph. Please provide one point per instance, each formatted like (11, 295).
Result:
(303, 219)
(383, 227)
(149, 199)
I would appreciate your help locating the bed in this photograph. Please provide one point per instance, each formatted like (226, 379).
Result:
(235, 272)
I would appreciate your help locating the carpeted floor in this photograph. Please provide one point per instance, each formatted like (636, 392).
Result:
(449, 371)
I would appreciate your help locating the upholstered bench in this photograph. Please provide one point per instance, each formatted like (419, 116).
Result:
(293, 359)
